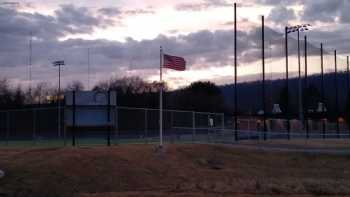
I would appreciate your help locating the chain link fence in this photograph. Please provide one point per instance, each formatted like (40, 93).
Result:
(40, 126)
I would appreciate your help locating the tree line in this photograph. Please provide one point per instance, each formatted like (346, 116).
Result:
(131, 92)
(202, 96)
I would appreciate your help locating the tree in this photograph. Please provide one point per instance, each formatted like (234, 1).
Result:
(75, 86)
(283, 98)
(10, 98)
(5, 93)
(200, 96)
(40, 91)
(312, 97)
(18, 97)
(132, 85)
(133, 91)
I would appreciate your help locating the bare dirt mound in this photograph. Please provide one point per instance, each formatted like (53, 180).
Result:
(182, 170)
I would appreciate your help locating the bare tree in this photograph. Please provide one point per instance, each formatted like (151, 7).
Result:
(41, 91)
(130, 85)
(75, 86)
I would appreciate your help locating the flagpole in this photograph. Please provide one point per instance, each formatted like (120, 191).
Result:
(161, 99)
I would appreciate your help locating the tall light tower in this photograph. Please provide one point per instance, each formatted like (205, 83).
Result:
(298, 29)
(59, 64)
(88, 68)
(30, 62)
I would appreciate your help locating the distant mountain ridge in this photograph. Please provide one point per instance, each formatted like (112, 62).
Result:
(250, 93)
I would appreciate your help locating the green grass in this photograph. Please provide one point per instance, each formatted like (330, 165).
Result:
(42, 143)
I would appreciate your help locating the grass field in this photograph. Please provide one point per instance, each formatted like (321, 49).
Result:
(178, 170)
(316, 145)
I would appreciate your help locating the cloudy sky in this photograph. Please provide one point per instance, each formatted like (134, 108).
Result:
(124, 37)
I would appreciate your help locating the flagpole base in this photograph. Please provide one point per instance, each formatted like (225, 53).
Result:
(159, 149)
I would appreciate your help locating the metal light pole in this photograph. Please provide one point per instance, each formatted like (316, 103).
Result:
(59, 64)
(287, 82)
(263, 69)
(322, 95)
(336, 91)
(298, 29)
(299, 81)
(88, 68)
(30, 62)
(306, 113)
(235, 67)
(348, 83)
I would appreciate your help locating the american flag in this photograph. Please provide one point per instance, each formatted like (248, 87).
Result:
(174, 62)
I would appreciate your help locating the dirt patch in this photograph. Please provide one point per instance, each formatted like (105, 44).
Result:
(180, 170)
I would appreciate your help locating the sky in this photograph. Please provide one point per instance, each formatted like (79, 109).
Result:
(102, 39)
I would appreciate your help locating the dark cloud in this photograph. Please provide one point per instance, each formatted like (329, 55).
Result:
(202, 49)
(139, 11)
(322, 10)
(79, 19)
(13, 24)
(120, 13)
(278, 2)
(205, 4)
(110, 12)
(67, 20)
(344, 15)
(326, 11)
(16, 28)
(281, 15)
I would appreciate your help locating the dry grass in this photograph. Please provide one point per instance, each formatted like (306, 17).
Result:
(340, 144)
(182, 170)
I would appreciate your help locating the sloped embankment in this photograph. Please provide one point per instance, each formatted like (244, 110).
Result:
(181, 170)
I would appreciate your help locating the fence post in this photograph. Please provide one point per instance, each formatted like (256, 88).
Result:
(34, 126)
(109, 118)
(73, 123)
(146, 126)
(223, 122)
(171, 119)
(208, 129)
(116, 118)
(324, 129)
(116, 125)
(193, 126)
(8, 127)
(64, 131)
